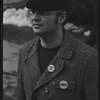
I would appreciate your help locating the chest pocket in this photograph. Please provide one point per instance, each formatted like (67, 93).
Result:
(63, 90)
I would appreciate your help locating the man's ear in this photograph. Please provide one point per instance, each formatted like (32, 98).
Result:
(62, 17)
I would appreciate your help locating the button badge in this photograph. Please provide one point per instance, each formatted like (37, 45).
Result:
(51, 68)
(63, 84)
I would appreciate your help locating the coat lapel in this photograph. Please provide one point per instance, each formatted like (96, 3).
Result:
(31, 62)
(47, 76)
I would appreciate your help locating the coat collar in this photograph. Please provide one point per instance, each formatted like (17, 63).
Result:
(65, 51)
(32, 47)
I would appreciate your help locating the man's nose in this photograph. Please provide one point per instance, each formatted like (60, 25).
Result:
(36, 17)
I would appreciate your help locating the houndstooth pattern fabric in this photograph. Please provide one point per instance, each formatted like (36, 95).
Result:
(76, 63)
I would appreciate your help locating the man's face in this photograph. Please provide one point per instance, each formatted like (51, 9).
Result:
(43, 24)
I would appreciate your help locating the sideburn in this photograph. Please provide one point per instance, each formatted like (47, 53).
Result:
(56, 19)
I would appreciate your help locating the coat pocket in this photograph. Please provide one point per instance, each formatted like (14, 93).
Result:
(63, 90)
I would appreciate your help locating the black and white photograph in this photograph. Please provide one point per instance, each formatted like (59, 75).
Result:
(50, 49)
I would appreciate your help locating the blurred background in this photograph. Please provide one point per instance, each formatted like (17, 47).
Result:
(82, 22)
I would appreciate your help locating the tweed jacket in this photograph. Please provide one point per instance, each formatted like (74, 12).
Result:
(74, 77)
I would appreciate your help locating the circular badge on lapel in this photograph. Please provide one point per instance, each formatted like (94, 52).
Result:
(63, 84)
(51, 68)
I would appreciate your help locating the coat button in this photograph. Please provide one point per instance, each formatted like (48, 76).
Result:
(46, 90)
(63, 84)
(51, 68)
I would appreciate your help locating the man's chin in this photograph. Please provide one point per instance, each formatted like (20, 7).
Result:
(38, 32)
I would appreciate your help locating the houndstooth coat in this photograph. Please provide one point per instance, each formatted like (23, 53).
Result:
(76, 67)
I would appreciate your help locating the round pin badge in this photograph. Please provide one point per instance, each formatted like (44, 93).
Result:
(63, 84)
(51, 68)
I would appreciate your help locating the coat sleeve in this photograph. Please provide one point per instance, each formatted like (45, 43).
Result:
(20, 84)
(91, 79)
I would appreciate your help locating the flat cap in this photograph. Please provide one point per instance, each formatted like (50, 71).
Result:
(47, 5)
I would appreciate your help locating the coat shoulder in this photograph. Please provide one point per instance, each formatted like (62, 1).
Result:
(28, 45)
(84, 49)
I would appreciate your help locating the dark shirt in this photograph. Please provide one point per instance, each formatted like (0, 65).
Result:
(45, 56)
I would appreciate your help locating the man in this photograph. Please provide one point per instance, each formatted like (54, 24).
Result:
(55, 66)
